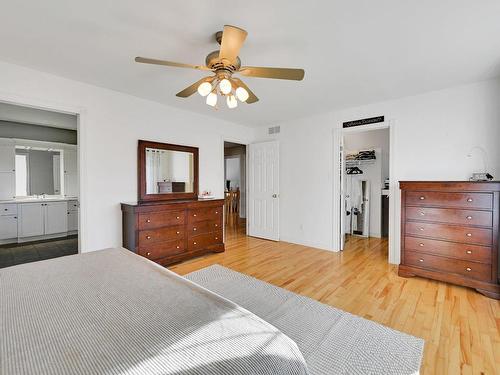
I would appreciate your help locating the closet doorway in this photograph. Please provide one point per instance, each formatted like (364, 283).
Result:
(235, 191)
(365, 198)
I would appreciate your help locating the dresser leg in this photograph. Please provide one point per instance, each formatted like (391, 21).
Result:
(489, 293)
(405, 273)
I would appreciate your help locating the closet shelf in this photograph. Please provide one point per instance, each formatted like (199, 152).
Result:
(356, 163)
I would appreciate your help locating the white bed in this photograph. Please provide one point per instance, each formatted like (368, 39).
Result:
(113, 312)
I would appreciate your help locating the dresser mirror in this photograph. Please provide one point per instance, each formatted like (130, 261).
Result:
(167, 171)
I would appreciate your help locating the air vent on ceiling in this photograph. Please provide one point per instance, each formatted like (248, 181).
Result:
(274, 130)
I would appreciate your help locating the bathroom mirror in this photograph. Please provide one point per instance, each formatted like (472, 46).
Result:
(38, 171)
(167, 171)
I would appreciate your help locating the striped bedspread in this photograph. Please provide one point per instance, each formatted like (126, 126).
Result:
(113, 312)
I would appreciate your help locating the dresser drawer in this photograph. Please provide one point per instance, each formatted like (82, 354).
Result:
(473, 253)
(147, 237)
(464, 268)
(204, 240)
(151, 220)
(467, 235)
(162, 249)
(450, 199)
(8, 209)
(206, 213)
(206, 226)
(450, 215)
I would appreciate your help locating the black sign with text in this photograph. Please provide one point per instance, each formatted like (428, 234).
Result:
(364, 121)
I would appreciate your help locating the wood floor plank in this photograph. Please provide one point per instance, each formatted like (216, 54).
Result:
(460, 326)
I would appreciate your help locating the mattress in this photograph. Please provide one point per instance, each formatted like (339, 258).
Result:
(113, 312)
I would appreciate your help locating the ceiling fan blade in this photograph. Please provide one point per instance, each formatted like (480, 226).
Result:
(277, 73)
(188, 91)
(232, 40)
(146, 60)
(251, 96)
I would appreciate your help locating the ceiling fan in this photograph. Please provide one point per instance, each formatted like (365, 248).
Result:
(224, 63)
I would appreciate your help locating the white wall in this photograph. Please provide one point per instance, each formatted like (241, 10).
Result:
(433, 134)
(111, 125)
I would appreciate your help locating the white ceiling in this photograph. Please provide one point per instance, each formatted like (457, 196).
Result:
(354, 52)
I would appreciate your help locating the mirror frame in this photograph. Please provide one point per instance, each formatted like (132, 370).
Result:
(141, 172)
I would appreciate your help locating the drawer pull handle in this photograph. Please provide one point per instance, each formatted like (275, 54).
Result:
(216, 225)
(177, 217)
(148, 237)
(468, 269)
(194, 215)
(469, 251)
(177, 232)
(469, 199)
(6, 209)
(194, 229)
(148, 253)
(422, 213)
(420, 260)
(422, 198)
(194, 243)
(177, 247)
(421, 244)
(469, 234)
(148, 221)
(469, 217)
(421, 228)
(216, 238)
(216, 212)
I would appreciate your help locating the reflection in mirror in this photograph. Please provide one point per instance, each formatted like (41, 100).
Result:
(38, 171)
(169, 171)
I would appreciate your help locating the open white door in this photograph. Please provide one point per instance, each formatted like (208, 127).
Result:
(263, 190)
(342, 197)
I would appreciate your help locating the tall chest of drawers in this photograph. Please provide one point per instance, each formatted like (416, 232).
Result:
(450, 232)
(173, 231)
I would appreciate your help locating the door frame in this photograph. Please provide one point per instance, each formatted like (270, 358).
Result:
(81, 127)
(246, 144)
(394, 193)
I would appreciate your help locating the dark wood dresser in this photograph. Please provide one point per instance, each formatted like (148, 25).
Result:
(450, 232)
(169, 232)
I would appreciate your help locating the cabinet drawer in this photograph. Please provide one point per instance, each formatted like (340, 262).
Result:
(162, 249)
(8, 227)
(450, 215)
(469, 235)
(203, 241)
(171, 233)
(206, 226)
(444, 199)
(151, 220)
(473, 253)
(206, 213)
(73, 206)
(471, 270)
(8, 209)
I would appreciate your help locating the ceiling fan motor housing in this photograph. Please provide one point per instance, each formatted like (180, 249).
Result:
(214, 62)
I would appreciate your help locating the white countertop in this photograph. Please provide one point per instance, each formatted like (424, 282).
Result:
(36, 200)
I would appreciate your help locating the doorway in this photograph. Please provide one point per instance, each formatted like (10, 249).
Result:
(235, 188)
(39, 183)
(365, 181)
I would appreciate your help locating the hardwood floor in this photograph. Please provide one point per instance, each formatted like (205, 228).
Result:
(461, 327)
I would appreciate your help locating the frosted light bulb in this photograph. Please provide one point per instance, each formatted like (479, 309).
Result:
(212, 99)
(204, 89)
(231, 101)
(242, 94)
(225, 86)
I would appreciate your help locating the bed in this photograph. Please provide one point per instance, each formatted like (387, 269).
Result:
(113, 312)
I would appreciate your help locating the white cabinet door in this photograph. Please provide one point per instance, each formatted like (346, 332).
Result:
(72, 221)
(71, 184)
(30, 219)
(8, 227)
(7, 185)
(7, 158)
(56, 217)
(70, 161)
(263, 190)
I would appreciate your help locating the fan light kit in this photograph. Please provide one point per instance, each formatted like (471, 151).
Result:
(224, 63)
